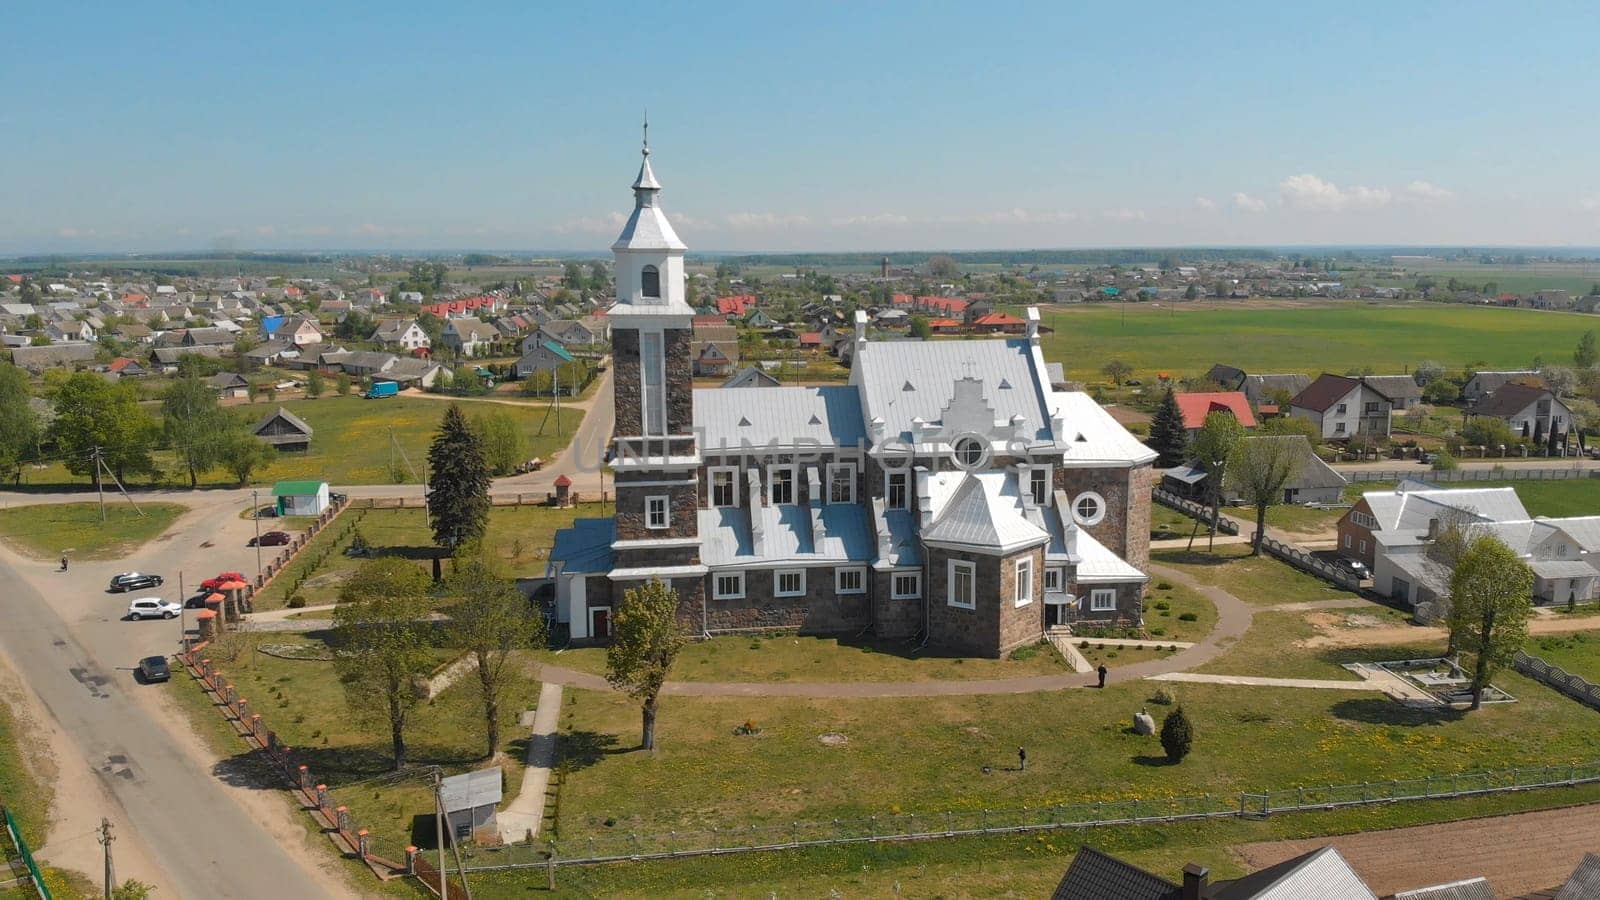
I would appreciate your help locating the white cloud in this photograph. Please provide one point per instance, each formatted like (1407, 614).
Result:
(1590, 203)
(607, 224)
(1423, 190)
(1247, 203)
(875, 219)
(70, 232)
(1124, 215)
(1312, 193)
(754, 221)
(1206, 202)
(266, 230)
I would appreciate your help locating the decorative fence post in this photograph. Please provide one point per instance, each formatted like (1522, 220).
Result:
(411, 860)
(341, 818)
(363, 846)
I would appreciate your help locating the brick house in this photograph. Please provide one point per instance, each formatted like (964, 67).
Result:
(947, 490)
(1342, 407)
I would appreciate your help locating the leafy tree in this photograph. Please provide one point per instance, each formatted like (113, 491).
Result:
(1444, 462)
(379, 627)
(243, 453)
(1427, 372)
(491, 619)
(1212, 446)
(501, 436)
(1490, 602)
(1561, 380)
(1489, 432)
(1441, 390)
(920, 328)
(1168, 437)
(1177, 735)
(19, 424)
(458, 491)
(355, 326)
(92, 412)
(1192, 292)
(315, 384)
(645, 640)
(341, 384)
(1587, 354)
(1290, 425)
(1117, 370)
(1259, 468)
(193, 423)
(943, 267)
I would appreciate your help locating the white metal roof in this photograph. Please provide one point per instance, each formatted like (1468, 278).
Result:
(470, 790)
(905, 380)
(1091, 435)
(777, 416)
(1098, 565)
(984, 510)
(726, 537)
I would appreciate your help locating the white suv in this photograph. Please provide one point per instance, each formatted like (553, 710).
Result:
(153, 608)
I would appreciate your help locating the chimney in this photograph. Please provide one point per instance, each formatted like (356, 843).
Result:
(1194, 881)
(1433, 529)
(1032, 317)
(861, 330)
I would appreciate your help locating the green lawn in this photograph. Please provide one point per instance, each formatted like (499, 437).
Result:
(1294, 519)
(1578, 652)
(1309, 337)
(781, 657)
(49, 530)
(1255, 580)
(1166, 606)
(518, 536)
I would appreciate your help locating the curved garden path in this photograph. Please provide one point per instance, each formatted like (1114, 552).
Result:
(1233, 619)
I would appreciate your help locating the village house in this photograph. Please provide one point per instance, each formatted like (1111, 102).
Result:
(1482, 384)
(1402, 390)
(469, 336)
(1197, 405)
(542, 356)
(284, 430)
(1314, 481)
(1532, 412)
(403, 333)
(1342, 407)
(946, 491)
(229, 386)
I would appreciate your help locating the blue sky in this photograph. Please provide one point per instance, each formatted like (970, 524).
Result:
(804, 126)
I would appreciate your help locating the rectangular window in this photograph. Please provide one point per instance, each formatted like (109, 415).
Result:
(789, 583)
(850, 581)
(1039, 485)
(723, 491)
(656, 512)
(1343, 407)
(1052, 579)
(1347, 542)
(906, 586)
(963, 584)
(652, 374)
(1102, 600)
(841, 483)
(1024, 591)
(1338, 428)
(780, 485)
(1363, 546)
(895, 492)
(727, 586)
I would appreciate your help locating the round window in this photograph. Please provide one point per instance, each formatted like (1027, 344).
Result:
(971, 452)
(1089, 508)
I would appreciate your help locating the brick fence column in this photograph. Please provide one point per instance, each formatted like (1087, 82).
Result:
(304, 778)
(411, 860)
(322, 798)
(341, 818)
(255, 726)
(241, 710)
(362, 843)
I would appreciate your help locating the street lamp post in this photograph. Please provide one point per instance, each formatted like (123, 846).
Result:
(255, 516)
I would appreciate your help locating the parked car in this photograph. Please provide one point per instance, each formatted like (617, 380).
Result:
(133, 581)
(211, 584)
(267, 512)
(198, 601)
(336, 498)
(270, 539)
(153, 608)
(154, 668)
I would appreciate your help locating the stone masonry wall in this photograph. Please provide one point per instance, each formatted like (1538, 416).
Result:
(1125, 529)
(996, 625)
(627, 380)
(820, 611)
(683, 502)
(894, 618)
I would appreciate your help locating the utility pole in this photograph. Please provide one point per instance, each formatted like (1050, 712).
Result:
(438, 831)
(99, 487)
(255, 516)
(183, 618)
(105, 841)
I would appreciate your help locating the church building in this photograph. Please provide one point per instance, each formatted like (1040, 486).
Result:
(945, 493)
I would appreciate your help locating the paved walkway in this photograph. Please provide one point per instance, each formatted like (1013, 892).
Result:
(522, 817)
(1518, 854)
(1233, 620)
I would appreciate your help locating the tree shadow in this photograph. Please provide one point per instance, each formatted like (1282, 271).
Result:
(1152, 761)
(582, 749)
(900, 649)
(1193, 557)
(1384, 711)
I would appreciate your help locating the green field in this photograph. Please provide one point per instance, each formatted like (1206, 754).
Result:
(1578, 653)
(1271, 336)
(46, 531)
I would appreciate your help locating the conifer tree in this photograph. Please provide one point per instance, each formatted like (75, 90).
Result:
(1168, 437)
(458, 492)
(1177, 735)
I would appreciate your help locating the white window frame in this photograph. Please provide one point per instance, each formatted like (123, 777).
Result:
(1347, 542)
(1023, 588)
(839, 575)
(957, 453)
(652, 372)
(650, 510)
(894, 586)
(777, 582)
(1028, 497)
(842, 467)
(1056, 574)
(716, 586)
(889, 477)
(1100, 513)
(1338, 428)
(1103, 600)
(1363, 546)
(711, 486)
(772, 484)
(971, 570)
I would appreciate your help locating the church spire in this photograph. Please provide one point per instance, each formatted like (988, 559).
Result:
(645, 186)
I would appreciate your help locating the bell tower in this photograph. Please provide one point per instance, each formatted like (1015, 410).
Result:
(655, 457)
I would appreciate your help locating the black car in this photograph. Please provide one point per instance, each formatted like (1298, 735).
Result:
(154, 668)
(133, 581)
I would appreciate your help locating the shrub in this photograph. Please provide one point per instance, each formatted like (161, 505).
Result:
(1162, 604)
(1083, 645)
(1177, 735)
(1188, 617)
(298, 601)
(1166, 612)
(1163, 697)
(1158, 631)
(1163, 585)
(1444, 462)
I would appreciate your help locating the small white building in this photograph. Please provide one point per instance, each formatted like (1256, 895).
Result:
(301, 498)
(470, 801)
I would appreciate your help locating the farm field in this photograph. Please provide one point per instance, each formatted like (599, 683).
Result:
(1312, 337)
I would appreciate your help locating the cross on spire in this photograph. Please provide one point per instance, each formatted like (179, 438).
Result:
(647, 132)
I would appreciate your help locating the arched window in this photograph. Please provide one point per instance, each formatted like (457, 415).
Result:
(650, 282)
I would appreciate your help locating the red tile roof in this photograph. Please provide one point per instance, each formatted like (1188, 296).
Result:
(563, 481)
(810, 337)
(948, 305)
(736, 305)
(14, 279)
(710, 320)
(944, 323)
(1196, 406)
(997, 318)
(120, 363)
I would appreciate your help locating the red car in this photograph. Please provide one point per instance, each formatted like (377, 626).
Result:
(271, 539)
(212, 584)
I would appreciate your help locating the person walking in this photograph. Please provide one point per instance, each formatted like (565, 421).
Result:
(63, 563)
(1102, 672)
(1022, 759)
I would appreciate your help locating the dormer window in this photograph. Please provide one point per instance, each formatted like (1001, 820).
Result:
(970, 453)
(650, 282)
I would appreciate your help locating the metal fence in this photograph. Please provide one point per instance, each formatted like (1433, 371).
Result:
(1309, 564)
(1475, 473)
(34, 875)
(1575, 686)
(1194, 510)
(617, 847)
